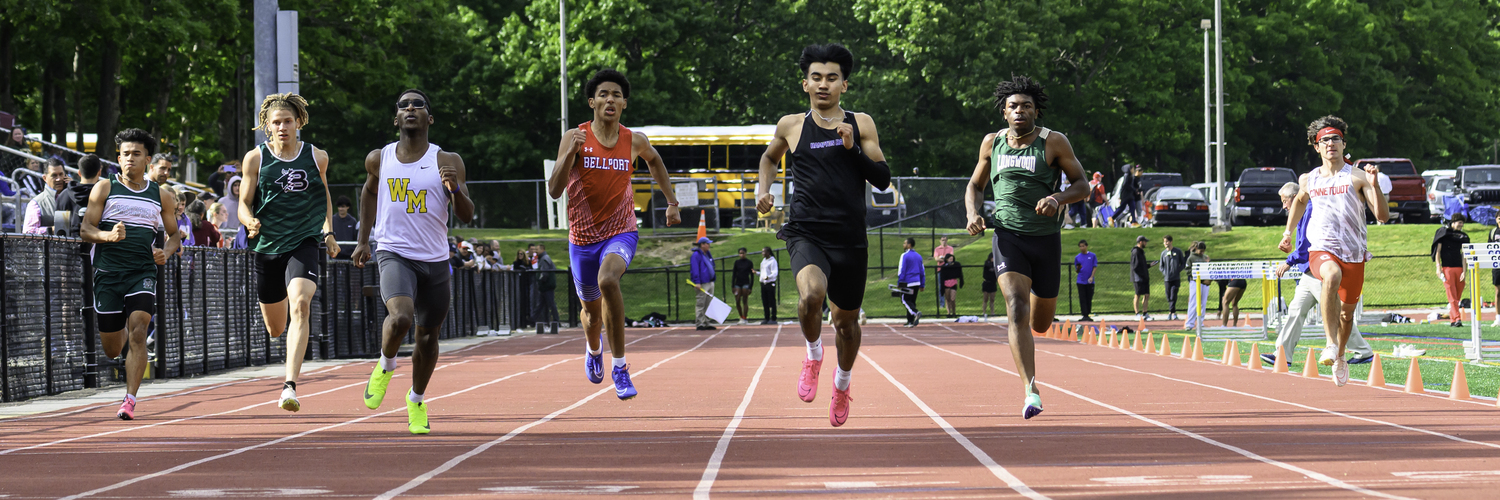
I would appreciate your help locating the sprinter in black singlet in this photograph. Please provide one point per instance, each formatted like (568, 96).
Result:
(836, 153)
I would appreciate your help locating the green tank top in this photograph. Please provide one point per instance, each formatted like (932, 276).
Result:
(290, 201)
(1021, 177)
(140, 212)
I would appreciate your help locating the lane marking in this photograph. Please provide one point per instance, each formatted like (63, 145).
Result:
(1241, 451)
(201, 461)
(455, 461)
(1206, 480)
(984, 458)
(1256, 396)
(711, 472)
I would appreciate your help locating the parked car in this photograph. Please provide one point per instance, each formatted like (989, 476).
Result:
(1439, 184)
(1175, 205)
(1408, 197)
(1210, 192)
(1257, 198)
(1478, 185)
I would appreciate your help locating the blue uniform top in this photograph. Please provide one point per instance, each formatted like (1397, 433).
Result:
(1086, 263)
(1298, 258)
(911, 270)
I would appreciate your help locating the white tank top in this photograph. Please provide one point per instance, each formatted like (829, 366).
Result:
(1337, 225)
(411, 215)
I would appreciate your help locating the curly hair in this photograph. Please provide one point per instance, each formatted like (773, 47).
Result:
(1021, 85)
(288, 101)
(137, 136)
(1325, 122)
(606, 75)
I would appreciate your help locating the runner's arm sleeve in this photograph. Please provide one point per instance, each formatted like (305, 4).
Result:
(877, 172)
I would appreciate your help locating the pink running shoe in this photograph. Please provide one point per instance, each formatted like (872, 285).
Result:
(807, 384)
(127, 410)
(838, 412)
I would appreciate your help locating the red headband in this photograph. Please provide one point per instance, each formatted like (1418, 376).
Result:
(1327, 131)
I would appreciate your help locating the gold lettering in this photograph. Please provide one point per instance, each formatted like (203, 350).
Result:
(398, 189)
(416, 202)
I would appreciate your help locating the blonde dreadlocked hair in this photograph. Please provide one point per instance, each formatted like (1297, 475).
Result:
(288, 101)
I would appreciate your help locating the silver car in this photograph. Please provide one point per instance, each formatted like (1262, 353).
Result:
(1439, 183)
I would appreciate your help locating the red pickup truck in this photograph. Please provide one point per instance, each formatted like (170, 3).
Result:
(1408, 196)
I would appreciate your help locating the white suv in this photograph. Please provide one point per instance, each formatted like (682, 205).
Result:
(1439, 183)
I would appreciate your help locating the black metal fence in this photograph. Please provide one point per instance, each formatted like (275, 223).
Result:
(207, 319)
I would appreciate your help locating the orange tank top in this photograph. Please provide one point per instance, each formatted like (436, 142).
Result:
(600, 201)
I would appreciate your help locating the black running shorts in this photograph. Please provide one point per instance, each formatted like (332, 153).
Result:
(274, 272)
(845, 268)
(1035, 257)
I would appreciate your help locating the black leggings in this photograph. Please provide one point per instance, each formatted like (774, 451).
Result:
(1086, 297)
(1171, 287)
(768, 300)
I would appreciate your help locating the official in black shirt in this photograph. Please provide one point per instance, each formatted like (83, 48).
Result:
(740, 286)
(1448, 256)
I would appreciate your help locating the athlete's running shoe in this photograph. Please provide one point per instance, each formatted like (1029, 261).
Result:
(1033, 405)
(593, 366)
(1340, 372)
(623, 388)
(375, 388)
(127, 410)
(1327, 357)
(838, 412)
(807, 384)
(289, 400)
(416, 417)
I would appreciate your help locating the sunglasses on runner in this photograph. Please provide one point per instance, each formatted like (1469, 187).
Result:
(415, 103)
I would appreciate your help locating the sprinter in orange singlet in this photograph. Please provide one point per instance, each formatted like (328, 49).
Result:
(594, 162)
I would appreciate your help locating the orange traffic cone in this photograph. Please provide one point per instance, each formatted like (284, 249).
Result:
(1254, 363)
(702, 224)
(1459, 389)
(1281, 366)
(1068, 326)
(1166, 346)
(1414, 378)
(1231, 353)
(1150, 344)
(1136, 344)
(1140, 324)
(1377, 373)
(1088, 337)
(1187, 348)
(1073, 335)
(1198, 349)
(1310, 367)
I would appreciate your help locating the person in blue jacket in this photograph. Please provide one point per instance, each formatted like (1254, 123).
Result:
(701, 272)
(912, 278)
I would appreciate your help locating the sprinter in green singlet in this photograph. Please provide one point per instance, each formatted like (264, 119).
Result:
(286, 211)
(1025, 162)
(123, 216)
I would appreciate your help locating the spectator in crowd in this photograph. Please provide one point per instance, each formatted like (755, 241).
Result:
(1129, 195)
(1306, 295)
(231, 202)
(183, 224)
(41, 207)
(208, 198)
(160, 170)
(701, 272)
(911, 278)
(217, 215)
(216, 179)
(938, 252)
(1197, 291)
(15, 140)
(951, 274)
(75, 198)
(466, 256)
(1141, 278)
(1448, 259)
(1229, 309)
(769, 271)
(740, 286)
(204, 232)
(1083, 266)
(522, 265)
(1495, 273)
(1172, 262)
(546, 287)
(1077, 213)
(991, 284)
(495, 249)
(1097, 195)
(345, 226)
(31, 184)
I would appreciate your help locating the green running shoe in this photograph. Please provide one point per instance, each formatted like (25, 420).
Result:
(375, 388)
(416, 417)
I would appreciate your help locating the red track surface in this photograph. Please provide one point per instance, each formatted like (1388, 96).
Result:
(936, 414)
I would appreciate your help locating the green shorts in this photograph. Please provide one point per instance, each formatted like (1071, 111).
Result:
(112, 288)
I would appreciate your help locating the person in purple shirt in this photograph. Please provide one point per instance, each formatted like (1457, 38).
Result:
(1084, 265)
(911, 278)
(701, 272)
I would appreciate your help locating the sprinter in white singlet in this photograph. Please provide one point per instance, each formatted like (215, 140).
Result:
(1338, 250)
(408, 186)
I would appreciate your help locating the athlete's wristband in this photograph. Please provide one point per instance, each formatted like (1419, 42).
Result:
(326, 235)
(672, 203)
(456, 190)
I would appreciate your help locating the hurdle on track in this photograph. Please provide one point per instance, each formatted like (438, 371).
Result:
(1479, 256)
(1260, 271)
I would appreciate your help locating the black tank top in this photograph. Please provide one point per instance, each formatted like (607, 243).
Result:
(828, 203)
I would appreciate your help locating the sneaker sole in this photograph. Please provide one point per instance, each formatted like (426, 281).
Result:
(290, 405)
(1031, 411)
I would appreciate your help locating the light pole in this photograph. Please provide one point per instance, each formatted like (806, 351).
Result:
(562, 60)
(1208, 155)
(1224, 222)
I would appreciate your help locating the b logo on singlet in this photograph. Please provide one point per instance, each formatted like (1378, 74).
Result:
(416, 201)
(292, 181)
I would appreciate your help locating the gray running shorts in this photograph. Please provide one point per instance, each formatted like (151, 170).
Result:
(426, 283)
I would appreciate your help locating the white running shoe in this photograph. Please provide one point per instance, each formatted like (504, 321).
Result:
(1340, 372)
(1327, 359)
(1496, 324)
(289, 400)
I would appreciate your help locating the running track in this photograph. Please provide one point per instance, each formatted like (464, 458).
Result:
(935, 415)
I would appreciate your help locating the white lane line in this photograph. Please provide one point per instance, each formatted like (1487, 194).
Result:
(712, 471)
(455, 461)
(999, 471)
(226, 412)
(1241, 451)
(1263, 398)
